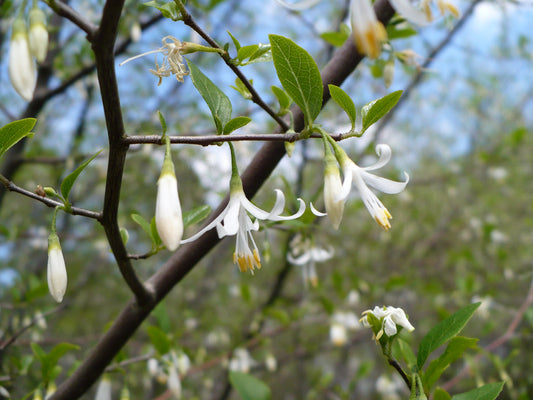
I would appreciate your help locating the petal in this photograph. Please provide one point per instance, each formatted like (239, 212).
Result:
(384, 152)
(410, 12)
(253, 209)
(320, 255)
(215, 222)
(399, 317)
(168, 218)
(298, 6)
(390, 326)
(348, 170)
(279, 205)
(301, 260)
(384, 185)
(231, 219)
(316, 212)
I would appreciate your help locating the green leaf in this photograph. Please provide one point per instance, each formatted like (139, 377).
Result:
(159, 339)
(344, 101)
(49, 361)
(246, 51)
(196, 215)
(235, 41)
(216, 100)
(11, 133)
(249, 387)
(155, 234)
(145, 225)
(68, 182)
(262, 54)
(283, 98)
(125, 235)
(299, 76)
(444, 331)
(337, 39)
(486, 392)
(399, 31)
(441, 394)
(236, 123)
(375, 110)
(454, 350)
(404, 352)
(169, 10)
(242, 89)
(163, 122)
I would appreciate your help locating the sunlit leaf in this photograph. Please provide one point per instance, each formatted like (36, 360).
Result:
(11, 133)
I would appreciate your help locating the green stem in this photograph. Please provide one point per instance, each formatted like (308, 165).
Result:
(235, 182)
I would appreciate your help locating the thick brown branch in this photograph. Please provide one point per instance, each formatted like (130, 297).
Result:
(72, 15)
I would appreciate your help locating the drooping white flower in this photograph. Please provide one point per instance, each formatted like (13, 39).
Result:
(173, 64)
(389, 317)
(38, 34)
(362, 178)
(168, 217)
(56, 270)
(174, 383)
(103, 392)
(368, 32)
(308, 260)
(341, 322)
(338, 334)
(332, 189)
(241, 361)
(21, 67)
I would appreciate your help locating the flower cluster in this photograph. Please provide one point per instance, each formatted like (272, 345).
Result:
(25, 45)
(385, 320)
(369, 34)
(336, 193)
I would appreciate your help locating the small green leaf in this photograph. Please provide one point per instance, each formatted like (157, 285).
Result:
(283, 98)
(236, 123)
(145, 225)
(441, 394)
(456, 347)
(486, 392)
(159, 339)
(68, 182)
(397, 31)
(124, 234)
(344, 101)
(262, 54)
(444, 331)
(404, 351)
(337, 39)
(249, 387)
(242, 89)
(236, 43)
(246, 51)
(299, 76)
(155, 235)
(169, 10)
(161, 315)
(375, 110)
(217, 101)
(196, 215)
(49, 361)
(163, 122)
(11, 133)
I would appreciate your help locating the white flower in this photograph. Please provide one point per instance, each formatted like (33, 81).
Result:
(56, 271)
(368, 32)
(103, 392)
(332, 189)
(38, 34)
(174, 383)
(234, 220)
(308, 260)
(337, 334)
(389, 317)
(21, 66)
(241, 361)
(361, 178)
(168, 218)
(172, 60)
(423, 15)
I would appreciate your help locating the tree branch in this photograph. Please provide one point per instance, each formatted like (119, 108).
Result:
(183, 261)
(73, 16)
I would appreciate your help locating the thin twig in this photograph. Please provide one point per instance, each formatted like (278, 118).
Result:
(72, 15)
(47, 201)
(189, 21)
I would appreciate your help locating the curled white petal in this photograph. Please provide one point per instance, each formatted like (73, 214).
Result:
(385, 185)
(385, 153)
(298, 6)
(301, 260)
(410, 12)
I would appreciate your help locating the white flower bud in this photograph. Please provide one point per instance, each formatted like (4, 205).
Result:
(38, 34)
(21, 66)
(174, 383)
(332, 191)
(168, 219)
(56, 271)
(104, 390)
(338, 334)
(135, 32)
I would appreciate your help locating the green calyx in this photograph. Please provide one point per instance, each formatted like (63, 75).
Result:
(168, 165)
(235, 184)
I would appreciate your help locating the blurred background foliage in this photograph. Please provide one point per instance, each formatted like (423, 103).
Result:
(462, 230)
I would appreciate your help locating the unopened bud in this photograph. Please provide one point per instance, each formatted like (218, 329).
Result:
(56, 271)
(21, 66)
(38, 34)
